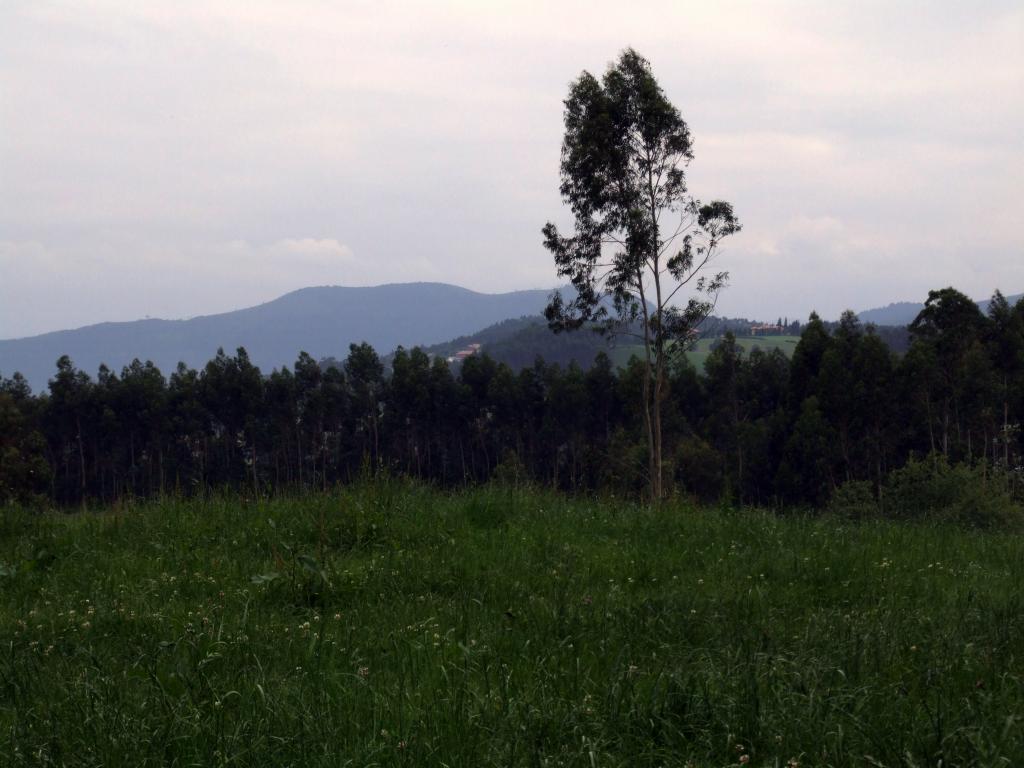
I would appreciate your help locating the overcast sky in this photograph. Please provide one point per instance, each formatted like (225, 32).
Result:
(173, 159)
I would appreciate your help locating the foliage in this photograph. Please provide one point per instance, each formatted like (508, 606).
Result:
(932, 489)
(624, 155)
(855, 500)
(700, 469)
(750, 428)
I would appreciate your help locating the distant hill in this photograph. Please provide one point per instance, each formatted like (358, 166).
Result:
(518, 342)
(322, 321)
(904, 312)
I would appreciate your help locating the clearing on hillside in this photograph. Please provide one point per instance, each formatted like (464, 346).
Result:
(620, 355)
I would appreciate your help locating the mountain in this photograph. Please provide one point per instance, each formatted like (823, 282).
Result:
(899, 313)
(904, 312)
(323, 321)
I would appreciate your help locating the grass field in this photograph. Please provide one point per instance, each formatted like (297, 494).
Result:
(392, 625)
(620, 355)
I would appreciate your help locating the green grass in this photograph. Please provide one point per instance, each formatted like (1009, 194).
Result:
(392, 625)
(699, 354)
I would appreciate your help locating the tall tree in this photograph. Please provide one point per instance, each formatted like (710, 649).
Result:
(69, 410)
(640, 236)
(24, 470)
(948, 326)
(1006, 340)
(365, 374)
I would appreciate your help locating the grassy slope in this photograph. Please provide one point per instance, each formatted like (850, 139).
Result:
(620, 355)
(492, 629)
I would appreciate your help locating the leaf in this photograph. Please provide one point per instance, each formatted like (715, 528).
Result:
(310, 565)
(265, 578)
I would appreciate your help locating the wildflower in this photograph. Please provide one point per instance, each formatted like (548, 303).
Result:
(363, 672)
(744, 759)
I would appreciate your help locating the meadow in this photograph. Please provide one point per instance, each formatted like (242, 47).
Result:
(390, 624)
(620, 355)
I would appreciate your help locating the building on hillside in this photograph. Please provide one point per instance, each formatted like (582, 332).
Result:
(766, 330)
(462, 354)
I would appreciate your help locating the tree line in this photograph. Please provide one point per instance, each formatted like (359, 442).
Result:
(753, 428)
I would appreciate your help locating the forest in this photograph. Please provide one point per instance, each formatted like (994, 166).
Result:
(846, 423)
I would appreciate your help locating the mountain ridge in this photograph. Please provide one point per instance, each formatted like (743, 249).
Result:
(321, 320)
(904, 312)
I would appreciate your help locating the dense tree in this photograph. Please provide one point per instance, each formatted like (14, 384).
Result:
(640, 236)
(365, 374)
(946, 329)
(24, 471)
(875, 405)
(71, 408)
(805, 473)
(1006, 348)
(750, 428)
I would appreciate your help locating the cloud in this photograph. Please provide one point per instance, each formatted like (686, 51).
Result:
(190, 158)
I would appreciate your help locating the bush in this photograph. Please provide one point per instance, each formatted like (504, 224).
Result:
(932, 489)
(855, 500)
(511, 472)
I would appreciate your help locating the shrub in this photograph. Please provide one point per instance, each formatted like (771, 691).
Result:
(511, 472)
(854, 500)
(932, 488)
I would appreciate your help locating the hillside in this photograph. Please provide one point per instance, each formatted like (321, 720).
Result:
(322, 321)
(520, 341)
(904, 312)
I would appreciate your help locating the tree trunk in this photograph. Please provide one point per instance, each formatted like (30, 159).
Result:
(931, 427)
(81, 456)
(653, 457)
(1006, 431)
(659, 374)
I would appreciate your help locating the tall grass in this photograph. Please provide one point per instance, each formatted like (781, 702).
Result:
(394, 625)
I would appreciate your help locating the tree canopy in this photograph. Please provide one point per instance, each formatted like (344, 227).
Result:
(640, 236)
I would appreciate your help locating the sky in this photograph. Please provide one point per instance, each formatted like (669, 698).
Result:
(182, 158)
